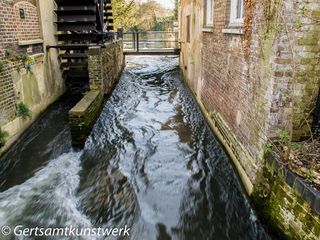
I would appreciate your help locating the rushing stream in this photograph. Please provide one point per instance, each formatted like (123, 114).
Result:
(150, 163)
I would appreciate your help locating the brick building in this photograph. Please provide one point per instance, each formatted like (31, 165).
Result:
(254, 67)
(28, 74)
(256, 74)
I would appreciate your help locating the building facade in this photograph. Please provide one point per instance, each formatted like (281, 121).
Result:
(28, 74)
(254, 68)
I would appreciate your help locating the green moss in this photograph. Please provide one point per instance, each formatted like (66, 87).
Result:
(315, 14)
(308, 41)
(2, 65)
(271, 208)
(31, 90)
(3, 138)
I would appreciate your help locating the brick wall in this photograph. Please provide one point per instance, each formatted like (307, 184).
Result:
(259, 76)
(230, 90)
(105, 66)
(12, 30)
(7, 94)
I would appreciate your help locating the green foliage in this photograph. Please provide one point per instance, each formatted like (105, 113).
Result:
(297, 24)
(309, 176)
(266, 148)
(124, 14)
(22, 111)
(303, 11)
(81, 124)
(176, 10)
(14, 56)
(283, 136)
(298, 147)
(17, 57)
(147, 15)
(3, 137)
(2, 63)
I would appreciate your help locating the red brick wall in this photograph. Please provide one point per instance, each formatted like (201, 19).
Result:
(13, 28)
(28, 28)
(226, 88)
(265, 79)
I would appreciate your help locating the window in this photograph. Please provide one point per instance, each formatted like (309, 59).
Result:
(236, 12)
(188, 28)
(208, 14)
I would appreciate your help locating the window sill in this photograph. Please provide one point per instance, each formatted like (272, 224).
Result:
(207, 29)
(236, 31)
(30, 42)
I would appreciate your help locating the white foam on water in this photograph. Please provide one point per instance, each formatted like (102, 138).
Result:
(48, 199)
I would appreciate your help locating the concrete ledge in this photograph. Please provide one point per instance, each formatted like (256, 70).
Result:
(236, 31)
(83, 116)
(30, 42)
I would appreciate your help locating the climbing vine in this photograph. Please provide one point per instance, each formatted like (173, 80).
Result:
(247, 26)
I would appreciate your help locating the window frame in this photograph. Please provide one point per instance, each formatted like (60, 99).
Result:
(234, 20)
(206, 23)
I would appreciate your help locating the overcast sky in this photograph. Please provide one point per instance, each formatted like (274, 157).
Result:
(165, 3)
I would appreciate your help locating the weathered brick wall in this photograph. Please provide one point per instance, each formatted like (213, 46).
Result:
(252, 81)
(290, 206)
(105, 66)
(257, 78)
(228, 92)
(7, 94)
(12, 30)
(295, 65)
(83, 116)
(38, 84)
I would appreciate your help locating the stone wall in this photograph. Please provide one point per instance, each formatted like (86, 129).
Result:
(105, 66)
(83, 116)
(35, 79)
(289, 205)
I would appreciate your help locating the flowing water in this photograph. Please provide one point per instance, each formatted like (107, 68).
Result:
(151, 163)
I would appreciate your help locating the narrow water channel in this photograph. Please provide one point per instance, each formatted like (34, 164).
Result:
(151, 163)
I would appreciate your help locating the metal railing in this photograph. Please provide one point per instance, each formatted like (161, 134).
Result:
(151, 42)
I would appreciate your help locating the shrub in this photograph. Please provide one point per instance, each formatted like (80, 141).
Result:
(22, 111)
(3, 138)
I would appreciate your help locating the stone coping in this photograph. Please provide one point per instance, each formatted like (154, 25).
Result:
(84, 103)
(299, 185)
(30, 42)
(236, 31)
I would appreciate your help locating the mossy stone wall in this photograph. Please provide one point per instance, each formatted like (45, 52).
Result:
(83, 116)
